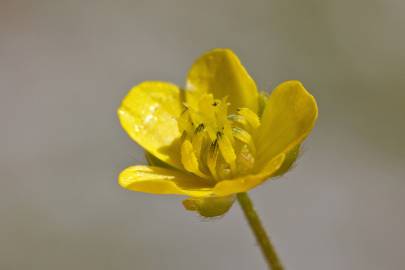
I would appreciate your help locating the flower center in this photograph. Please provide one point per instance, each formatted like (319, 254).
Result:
(215, 145)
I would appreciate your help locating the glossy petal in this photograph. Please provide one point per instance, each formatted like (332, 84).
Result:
(154, 161)
(148, 114)
(290, 158)
(247, 182)
(220, 72)
(158, 180)
(289, 116)
(210, 206)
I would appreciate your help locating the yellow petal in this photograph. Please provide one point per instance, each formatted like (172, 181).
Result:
(247, 182)
(210, 206)
(290, 158)
(154, 161)
(221, 73)
(157, 180)
(148, 114)
(289, 116)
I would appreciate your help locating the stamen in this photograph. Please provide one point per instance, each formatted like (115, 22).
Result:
(199, 128)
(227, 151)
(184, 122)
(238, 119)
(189, 159)
(197, 141)
(243, 136)
(250, 117)
(245, 160)
(216, 145)
(212, 158)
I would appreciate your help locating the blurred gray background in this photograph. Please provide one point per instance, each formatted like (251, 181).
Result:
(66, 65)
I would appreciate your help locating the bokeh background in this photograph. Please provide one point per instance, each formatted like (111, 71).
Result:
(66, 65)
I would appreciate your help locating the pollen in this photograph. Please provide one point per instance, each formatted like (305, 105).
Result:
(214, 144)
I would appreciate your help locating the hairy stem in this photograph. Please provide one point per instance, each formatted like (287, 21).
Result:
(267, 248)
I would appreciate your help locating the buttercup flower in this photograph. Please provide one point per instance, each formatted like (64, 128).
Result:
(217, 137)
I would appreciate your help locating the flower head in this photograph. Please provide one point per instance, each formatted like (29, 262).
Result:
(217, 137)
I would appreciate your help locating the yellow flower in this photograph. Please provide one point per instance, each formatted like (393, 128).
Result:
(217, 137)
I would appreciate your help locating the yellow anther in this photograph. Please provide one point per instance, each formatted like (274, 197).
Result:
(227, 151)
(223, 124)
(206, 111)
(212, 158)
(184, 122)
(250, 117)
(238, 119)
(245, 160)
(189, 159)
(243, 136)
(198, 140)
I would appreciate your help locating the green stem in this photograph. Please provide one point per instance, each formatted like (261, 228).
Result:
(267, 248)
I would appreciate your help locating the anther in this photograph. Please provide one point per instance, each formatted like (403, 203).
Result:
(214, 145)
(184, 110)
(199, 128)
(219, 134)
